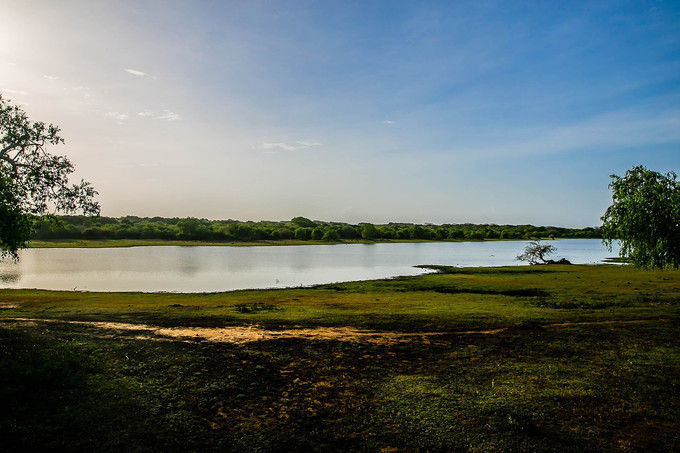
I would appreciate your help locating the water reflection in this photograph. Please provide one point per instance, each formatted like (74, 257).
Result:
(10, 276)
(187, 261)
(200, 269)
(10, 271)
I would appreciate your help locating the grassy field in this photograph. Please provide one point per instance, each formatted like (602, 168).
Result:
(543, 358)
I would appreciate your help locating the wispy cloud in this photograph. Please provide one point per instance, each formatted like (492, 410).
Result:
(168, 116)
(302, 144)
(51, 78)
(138, 73)
(616, 130)
(308, 143)
(279, 145)
(20, 92)
(117, 116)
(389, 123)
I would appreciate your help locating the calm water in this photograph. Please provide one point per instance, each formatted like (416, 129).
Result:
(206, 269)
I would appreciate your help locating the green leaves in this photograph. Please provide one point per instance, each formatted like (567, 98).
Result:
(33, 181)
(15, 226)
(645, 218)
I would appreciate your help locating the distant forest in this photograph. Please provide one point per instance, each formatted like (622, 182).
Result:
(299, 228)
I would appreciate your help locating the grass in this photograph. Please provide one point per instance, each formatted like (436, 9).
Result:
(588, 361)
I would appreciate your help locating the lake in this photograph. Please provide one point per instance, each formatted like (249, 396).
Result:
(209, 269)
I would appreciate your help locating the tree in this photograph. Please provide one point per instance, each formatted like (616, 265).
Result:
(303, 234)
(193, 229)
(645, 218)
(317, 233)
(33, 182)
(368, 231)
(331, 235)
(536, 251)
(303, 222)
(15, 226)
(348, 232)
(240, 231)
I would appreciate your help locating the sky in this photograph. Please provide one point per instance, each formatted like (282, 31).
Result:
(356, 111)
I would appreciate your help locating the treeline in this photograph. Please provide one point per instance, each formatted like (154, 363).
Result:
(299, 228)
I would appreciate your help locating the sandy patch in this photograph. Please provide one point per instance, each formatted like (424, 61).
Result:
(254, 332)
(244, 334)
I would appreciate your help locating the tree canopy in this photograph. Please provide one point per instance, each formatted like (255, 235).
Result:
(33, 182)
(535, 252)
(131, 227)
(645, 218)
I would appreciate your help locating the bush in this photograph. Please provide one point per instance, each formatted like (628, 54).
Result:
(331, 235)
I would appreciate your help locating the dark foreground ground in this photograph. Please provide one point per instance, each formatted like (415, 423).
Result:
(558, 358)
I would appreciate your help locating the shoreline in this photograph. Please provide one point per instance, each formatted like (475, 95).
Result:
(115, 243)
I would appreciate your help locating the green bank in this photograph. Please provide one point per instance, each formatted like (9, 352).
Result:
(540, 358)
(60, 230)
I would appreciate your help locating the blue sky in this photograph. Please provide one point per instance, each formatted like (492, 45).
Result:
(489, 112)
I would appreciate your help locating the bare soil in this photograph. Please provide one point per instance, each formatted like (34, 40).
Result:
(255, 332)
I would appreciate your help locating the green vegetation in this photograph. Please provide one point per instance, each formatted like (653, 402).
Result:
(299, 230)
(645, 218)
(565, 358)
(535, 252)
(33, 182)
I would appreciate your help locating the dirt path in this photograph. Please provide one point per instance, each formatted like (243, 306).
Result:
(244, 334)
(251, 333)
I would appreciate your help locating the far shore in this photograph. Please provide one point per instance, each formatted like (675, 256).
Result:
(112, 243)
